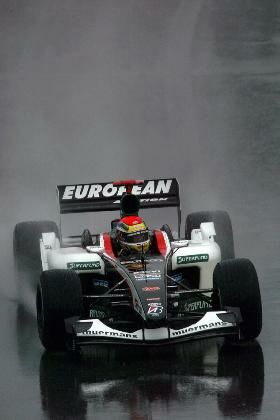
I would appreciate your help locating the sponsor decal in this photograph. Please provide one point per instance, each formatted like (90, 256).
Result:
(154, 308)
(149, 260)
(190, 259)
(111, 334)
(194, 306)
(95, 313)
(147, 275)
(153, 298)
(147, 200)
(178, 277)
(198, 328)
(80, 266)
(150, 289)
(91, 191)
(101, 283)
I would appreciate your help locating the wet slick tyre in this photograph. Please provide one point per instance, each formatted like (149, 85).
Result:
(223, 228)
(26, 245)
(26, 241)
(235, 284)
(59, 296)
(27, 258)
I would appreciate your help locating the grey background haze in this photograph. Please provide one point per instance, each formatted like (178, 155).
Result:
(94, 91)
(99, 90)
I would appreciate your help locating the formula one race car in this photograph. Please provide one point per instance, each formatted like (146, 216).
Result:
(93, 291)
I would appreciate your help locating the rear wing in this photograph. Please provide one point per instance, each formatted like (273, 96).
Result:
(80, 198)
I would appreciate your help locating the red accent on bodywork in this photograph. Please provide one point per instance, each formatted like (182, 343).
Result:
(160, 241)
(108, 245)
(129, 182)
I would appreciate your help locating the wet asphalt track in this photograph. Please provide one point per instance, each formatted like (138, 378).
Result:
(97, 90)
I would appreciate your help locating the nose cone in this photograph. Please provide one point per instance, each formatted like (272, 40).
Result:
(151, 289)
(155, 310)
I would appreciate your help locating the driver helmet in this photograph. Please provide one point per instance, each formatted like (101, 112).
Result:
(133, 234)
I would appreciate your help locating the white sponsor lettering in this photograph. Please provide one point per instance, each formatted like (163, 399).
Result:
(189, 259)
(109, 190)
(149, 188)
(146, 200)
(142, 200)
(91, 265)
(95, 191)
(81, 191)
(121, 191)
(89, 191)
(94, 313)
(163, 188)
(150, 260)
(201, 327)
(68, 192)
(111, 334)
(194, 306)
(136, 189)
(147, 275)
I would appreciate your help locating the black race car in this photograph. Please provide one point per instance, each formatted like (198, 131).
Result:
(182, 289)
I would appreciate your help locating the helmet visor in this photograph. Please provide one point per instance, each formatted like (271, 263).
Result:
(135, 237)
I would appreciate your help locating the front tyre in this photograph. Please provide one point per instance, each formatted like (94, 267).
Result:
(59, 296)
(235, 284)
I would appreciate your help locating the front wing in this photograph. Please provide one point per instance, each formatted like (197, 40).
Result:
(212, 324)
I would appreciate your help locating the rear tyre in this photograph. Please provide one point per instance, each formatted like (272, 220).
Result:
(223, 228)
(27, 258)
(59, 296)
(235, 284)
(26, 240)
